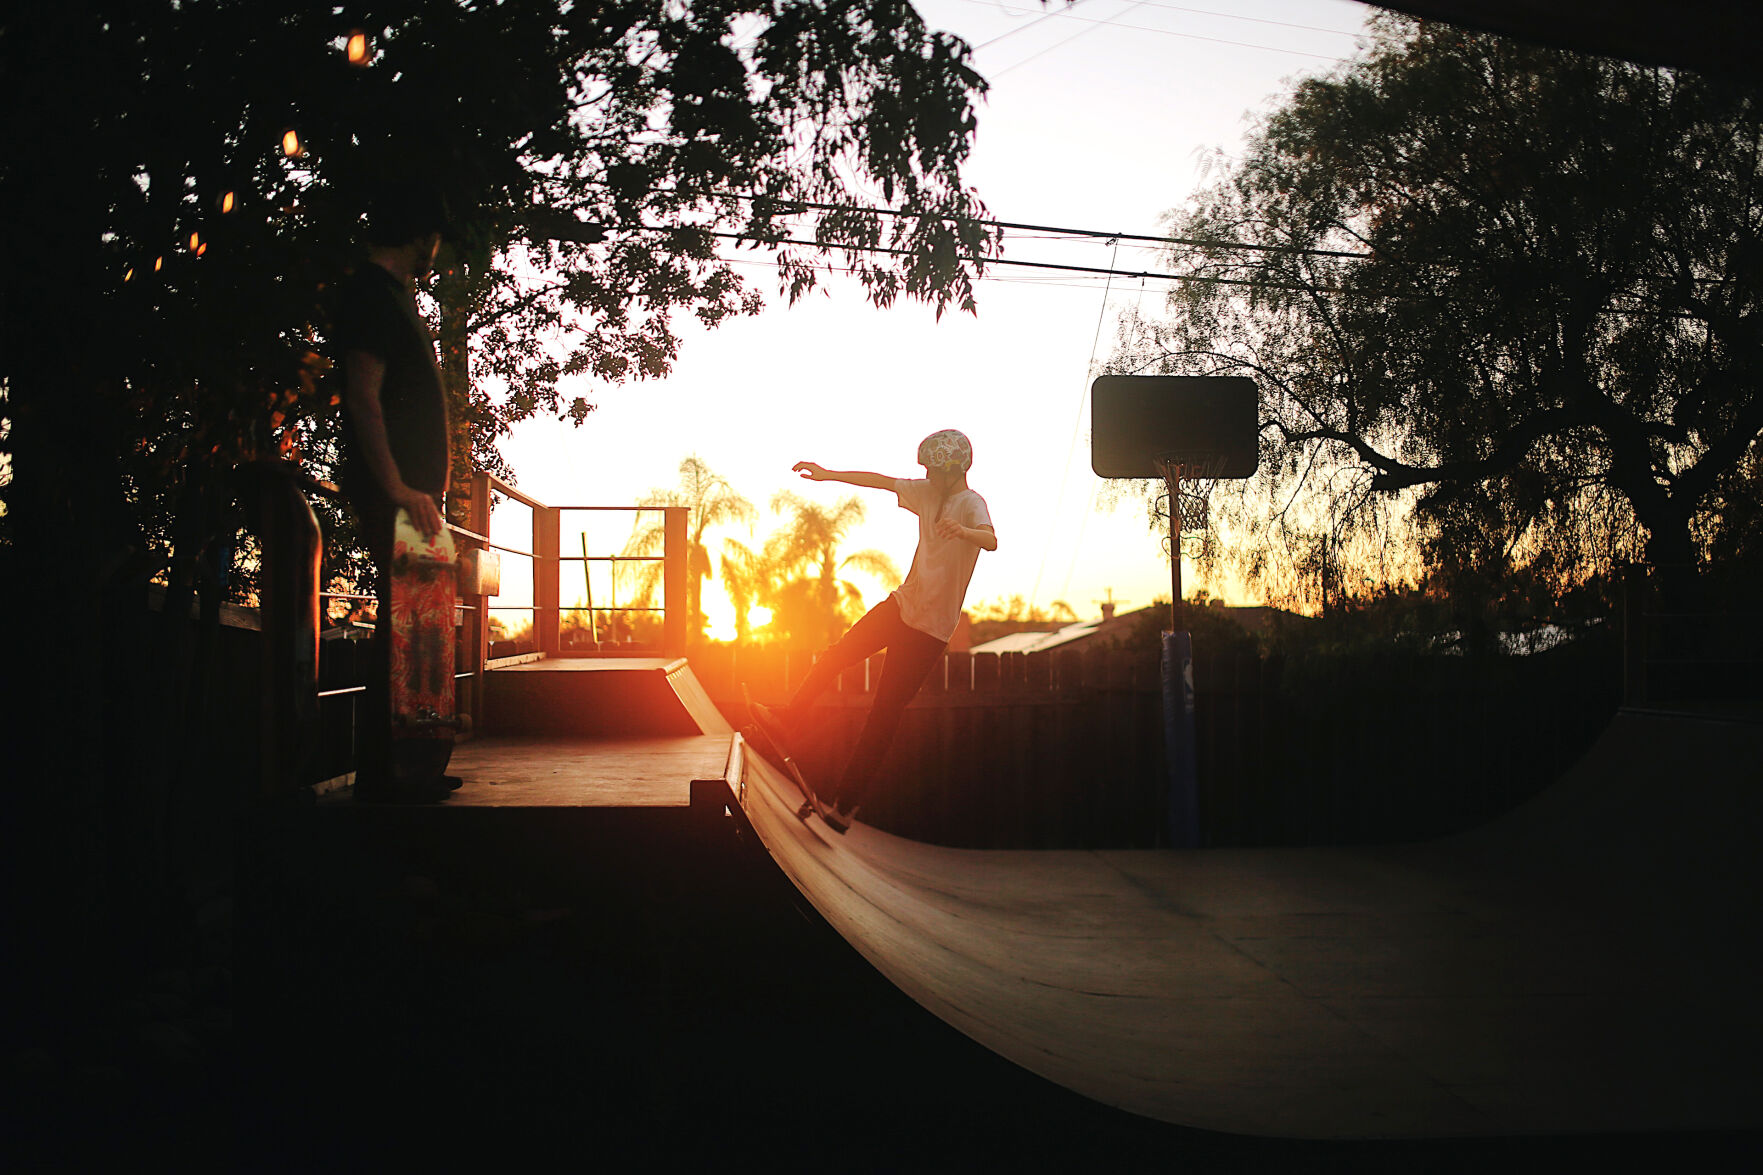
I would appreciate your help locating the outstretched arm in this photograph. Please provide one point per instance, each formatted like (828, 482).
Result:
(873, 481)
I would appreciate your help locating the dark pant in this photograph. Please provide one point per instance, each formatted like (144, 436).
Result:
(911, 654)
(375, 514)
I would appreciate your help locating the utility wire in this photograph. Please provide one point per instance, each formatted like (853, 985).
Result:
(985, 261)
(1067, 232)
(1041, 19)
(1064, 41)
(1071, 446)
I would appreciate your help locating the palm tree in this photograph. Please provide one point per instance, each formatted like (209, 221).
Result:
(748, 578)
(711, 501)
(806, 555)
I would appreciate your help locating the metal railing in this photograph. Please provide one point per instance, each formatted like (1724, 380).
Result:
(548, 559)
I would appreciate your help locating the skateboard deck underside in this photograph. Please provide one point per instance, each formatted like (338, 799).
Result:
(424, 579)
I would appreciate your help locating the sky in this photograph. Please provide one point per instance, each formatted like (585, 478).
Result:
(1099, 116)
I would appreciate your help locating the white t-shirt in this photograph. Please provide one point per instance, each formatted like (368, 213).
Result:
(930, 600)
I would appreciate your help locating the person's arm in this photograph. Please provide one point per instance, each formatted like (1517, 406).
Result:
(364, 376)
(983, 537)
(873, 481)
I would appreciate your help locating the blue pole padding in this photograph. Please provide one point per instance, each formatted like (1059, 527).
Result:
(1178, 740)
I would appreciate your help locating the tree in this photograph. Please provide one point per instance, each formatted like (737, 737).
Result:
(185, 193)
(191, 193)
(710, 501)
(1501, 301)
(748, 577)
(809, 599)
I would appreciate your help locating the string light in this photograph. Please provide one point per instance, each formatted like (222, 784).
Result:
(226, 202)
(202, 248)
(158, 264)
(291, 145)
(129, 275)
(357, 48)
(196, 241)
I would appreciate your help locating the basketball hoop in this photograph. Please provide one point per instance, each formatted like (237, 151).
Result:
(1188, 478)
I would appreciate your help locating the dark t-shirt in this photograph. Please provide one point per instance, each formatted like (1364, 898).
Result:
(377, 314)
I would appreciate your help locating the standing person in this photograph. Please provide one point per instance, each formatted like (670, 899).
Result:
(915, 622)
(394, 442)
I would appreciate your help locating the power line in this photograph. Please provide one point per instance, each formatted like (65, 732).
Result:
(1071, 445)
(1095, 23)
(985, 261)
(1041, 19)
(1063, 41)
(1285, 24)
(1068, 232)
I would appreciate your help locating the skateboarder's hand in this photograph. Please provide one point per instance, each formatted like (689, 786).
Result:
(423, 512)
(809, 470)
(948, 528)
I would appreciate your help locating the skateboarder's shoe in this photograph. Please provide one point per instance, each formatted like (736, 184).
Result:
(402, 791)
(837, 817)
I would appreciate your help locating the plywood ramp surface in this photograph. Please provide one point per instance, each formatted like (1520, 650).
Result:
(559, 771)
(1579, 966)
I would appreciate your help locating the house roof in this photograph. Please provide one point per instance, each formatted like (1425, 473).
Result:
(1036, 642)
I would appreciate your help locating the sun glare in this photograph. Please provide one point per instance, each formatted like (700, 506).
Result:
(759, 616)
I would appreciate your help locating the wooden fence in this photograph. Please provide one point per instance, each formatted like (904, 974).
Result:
(1065, 749)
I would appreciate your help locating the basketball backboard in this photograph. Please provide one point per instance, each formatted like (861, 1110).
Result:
(1204, 422)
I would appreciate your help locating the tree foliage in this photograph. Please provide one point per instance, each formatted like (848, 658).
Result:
(1504, 315)
(593, 157)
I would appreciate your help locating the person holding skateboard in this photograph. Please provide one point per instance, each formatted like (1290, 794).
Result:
(914, 623)
(394, 441)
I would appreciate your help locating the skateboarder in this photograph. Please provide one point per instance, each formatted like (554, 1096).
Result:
(914, 623)
(395, 440)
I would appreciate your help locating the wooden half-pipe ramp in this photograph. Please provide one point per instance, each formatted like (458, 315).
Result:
(1587, 963)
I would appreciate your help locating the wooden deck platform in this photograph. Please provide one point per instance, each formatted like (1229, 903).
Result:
(557, 771)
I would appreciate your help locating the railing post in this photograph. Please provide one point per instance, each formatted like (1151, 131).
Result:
(477, 619)
(292, 549)
(673, 580)
(547, 566)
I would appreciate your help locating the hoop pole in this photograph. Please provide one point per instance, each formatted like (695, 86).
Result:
(1172, 475)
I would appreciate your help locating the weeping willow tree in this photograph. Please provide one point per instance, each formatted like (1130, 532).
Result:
(1502, 306)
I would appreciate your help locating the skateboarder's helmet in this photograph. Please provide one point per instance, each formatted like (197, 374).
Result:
(947, 450)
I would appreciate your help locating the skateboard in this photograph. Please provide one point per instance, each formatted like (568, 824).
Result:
(424, 590)
(761, 735)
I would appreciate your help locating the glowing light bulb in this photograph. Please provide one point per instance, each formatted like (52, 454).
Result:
(202, 248)
(357, 49)
(291, 145)
(226, 202)
(195, 240)
(130, 275)
(158, 264)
